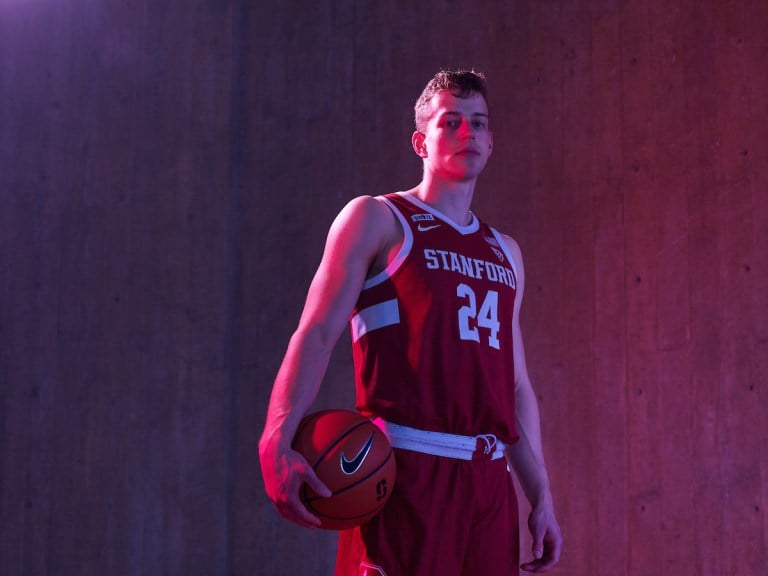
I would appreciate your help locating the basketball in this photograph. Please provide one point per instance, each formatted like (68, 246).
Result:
(353, 458)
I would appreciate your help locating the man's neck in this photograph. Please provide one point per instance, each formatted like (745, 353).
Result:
(453, 199)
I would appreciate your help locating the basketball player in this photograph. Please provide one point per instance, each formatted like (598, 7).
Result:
(432, 295)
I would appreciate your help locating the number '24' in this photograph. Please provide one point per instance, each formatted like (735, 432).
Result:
(471, 318)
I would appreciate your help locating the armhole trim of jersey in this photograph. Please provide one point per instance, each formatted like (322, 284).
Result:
(504, 249)
(402, 254)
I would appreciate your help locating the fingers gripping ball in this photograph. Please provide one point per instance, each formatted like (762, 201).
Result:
(353, 458)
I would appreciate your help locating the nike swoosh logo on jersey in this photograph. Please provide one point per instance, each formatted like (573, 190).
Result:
(352, 465)
(423, 228)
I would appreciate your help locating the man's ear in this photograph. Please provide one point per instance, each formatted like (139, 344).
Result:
(418, 143)
(490, 143)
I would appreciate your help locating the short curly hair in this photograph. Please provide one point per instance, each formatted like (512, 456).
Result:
(460, 83)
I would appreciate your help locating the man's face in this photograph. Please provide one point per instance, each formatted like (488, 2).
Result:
(456, 142)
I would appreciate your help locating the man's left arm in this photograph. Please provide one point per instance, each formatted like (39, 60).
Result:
(527, 455)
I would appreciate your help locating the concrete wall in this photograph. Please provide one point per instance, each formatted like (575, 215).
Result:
(168, 171)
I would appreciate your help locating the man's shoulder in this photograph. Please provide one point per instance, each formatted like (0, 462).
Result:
(508, 240)
(367, 208)
(369, 215)
(511, 245)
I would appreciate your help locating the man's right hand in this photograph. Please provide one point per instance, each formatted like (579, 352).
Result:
(361, 239)
(284, 472)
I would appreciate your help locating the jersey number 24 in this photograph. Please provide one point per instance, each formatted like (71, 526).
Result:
(472, 319)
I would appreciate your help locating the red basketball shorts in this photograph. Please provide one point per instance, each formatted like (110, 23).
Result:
(445, 517)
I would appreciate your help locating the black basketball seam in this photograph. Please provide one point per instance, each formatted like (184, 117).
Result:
(306, 420)
(350, 486)
(337, 442)
(308, 501)
(371, 513)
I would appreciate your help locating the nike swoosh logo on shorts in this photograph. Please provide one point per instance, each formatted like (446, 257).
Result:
(350, 466)
(423, 228)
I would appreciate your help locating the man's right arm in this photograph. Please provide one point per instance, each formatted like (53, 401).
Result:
(358, 234)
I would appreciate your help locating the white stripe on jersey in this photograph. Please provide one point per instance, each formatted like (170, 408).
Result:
(377, 316)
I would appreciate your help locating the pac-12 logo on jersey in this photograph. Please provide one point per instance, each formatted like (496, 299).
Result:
(495, 247)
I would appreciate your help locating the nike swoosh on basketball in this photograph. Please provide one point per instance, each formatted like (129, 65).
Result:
(423, 228)
(350, 466)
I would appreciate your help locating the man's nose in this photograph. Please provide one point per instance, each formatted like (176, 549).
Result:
(465, 131)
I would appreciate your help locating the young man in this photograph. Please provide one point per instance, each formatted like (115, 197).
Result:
(432, 295)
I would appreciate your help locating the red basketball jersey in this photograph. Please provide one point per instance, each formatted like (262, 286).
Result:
(432, 334)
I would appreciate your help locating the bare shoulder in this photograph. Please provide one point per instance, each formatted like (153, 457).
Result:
(368, 209)
(365, 225)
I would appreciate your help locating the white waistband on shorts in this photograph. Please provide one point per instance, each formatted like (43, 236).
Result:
(480, 447)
